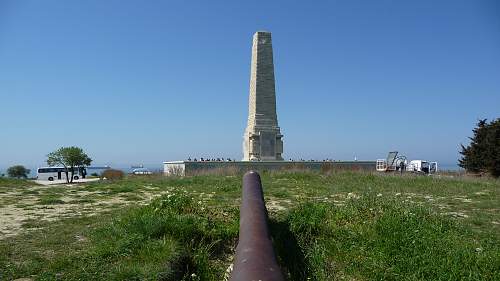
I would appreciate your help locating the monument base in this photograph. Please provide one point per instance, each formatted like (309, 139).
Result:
(190, 168)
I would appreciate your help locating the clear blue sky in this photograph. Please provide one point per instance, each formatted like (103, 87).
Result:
(148, 81)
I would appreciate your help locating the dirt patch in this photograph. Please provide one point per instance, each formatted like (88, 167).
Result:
(24, 205)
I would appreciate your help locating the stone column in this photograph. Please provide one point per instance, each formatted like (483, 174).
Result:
(262, 139)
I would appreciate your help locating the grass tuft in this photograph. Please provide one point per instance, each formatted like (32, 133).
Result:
(12, 182)
(50, 199)
(375, 238)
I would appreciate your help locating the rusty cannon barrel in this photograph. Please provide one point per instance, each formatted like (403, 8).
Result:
(255, 258)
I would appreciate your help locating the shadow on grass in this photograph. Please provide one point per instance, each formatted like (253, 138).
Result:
(179, 269)
(289, 254)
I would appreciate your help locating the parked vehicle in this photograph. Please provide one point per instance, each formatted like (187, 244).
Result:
(395, 162)
(58, 173)
(141, 171)
(422, 166)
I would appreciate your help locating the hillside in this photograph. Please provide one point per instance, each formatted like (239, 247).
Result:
(354, 226)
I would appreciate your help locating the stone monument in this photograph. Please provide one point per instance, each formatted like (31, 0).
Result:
(262, 139)
(262, 144)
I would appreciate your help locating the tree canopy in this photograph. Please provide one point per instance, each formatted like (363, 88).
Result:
(482, 155)
(70, 158)
(18, 171)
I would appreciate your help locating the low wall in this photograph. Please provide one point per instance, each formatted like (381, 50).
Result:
(187, 168)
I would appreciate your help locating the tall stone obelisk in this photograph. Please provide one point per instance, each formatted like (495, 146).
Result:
(262, 139)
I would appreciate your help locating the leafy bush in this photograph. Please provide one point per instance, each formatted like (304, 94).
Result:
(18, 171)
(112, 174)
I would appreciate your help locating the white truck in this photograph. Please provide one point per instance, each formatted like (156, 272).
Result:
(422, 166)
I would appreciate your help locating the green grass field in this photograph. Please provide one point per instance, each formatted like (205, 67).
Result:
(341, 226)
(11, 182)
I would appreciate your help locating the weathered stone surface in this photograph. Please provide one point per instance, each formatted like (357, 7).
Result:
(262, 139)
(191, 168)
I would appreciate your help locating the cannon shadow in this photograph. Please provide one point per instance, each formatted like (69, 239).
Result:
(289, 254)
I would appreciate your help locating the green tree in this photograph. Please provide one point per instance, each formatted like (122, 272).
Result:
(71, 158)
(18, 171)
(482, 155)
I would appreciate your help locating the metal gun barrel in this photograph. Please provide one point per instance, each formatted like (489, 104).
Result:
(255, 258)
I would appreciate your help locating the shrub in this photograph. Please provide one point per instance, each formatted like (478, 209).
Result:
(112, 174)
(18, 171)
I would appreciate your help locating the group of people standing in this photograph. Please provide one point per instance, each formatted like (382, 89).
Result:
(211, 159)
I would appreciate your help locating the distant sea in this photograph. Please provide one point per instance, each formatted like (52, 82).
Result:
(449, 167)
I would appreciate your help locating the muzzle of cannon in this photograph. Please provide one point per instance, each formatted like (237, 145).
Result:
(255, 258)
